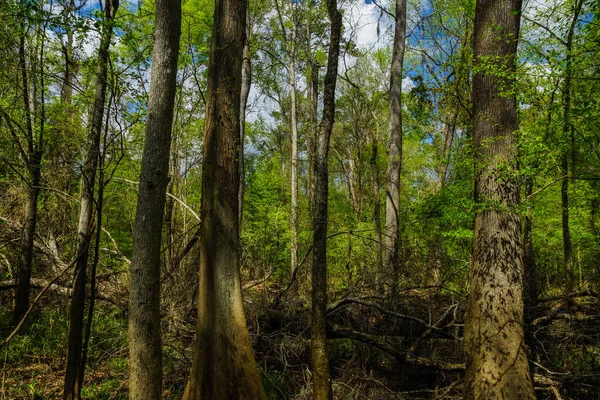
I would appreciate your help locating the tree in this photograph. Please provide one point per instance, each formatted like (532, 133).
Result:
(74, 375)
(569, 137)
(223, 366)
(392, 198)
(145, 347)
(496, 362)
(320, 361)
(32, 157)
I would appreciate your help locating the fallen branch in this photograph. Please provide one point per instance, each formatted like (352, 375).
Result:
(381, 343)
(39, 283)
(37, 298)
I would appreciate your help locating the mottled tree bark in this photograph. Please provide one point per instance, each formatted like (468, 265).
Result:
(223, 365)
(496, 361)
(311, 139)
(394, 169)
(531, 290)
(145, 349)
(294, 150)
(319, 358)
(72, 387)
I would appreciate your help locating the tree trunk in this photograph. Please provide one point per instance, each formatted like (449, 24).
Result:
(568, 133)
(294, 155)
(320, 362)
(145, 348)
(379, 273)
(72, 388)
(394, 169)
(496, 361)
(311, 140)
(33, 159)
(223, 366)
(245, 92)
(531, 290)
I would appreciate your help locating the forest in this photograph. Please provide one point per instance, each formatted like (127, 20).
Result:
(300, 199)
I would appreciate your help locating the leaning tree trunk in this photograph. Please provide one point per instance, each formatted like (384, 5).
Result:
(392, 198)
(72, 387)
(496, 361)
(320, 362)
(145, 348)
(223, 366)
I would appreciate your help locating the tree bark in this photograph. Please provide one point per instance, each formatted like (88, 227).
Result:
(531, 290)
(319, 358)
(245, 92)
(33, 160)
(496, 361)
(294, 150)
(145, 346)
(223, 366)
(377, 208)
(72, 387)
(568, 133)
(394, 169)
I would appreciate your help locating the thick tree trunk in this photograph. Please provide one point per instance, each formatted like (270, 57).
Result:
(145, 348)
(496, 361)
(320, 361)
(223, 366)
(394, 169)
(72, 387)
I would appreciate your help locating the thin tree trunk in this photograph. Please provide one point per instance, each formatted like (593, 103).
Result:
(33, 159)
(392, 203)
(568, 132)
(72, 388)
(245, 93)
(145, 346)
(320, 361)
(223, 366)
(496, 361)
(294, 155)
(311, 141)
(379, 273)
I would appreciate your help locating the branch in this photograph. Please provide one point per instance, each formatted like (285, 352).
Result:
(168, 194)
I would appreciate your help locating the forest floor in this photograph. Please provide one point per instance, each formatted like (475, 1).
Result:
(409, 351)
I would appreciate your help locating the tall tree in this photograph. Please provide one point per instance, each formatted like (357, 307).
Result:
(496, 362)
(245, 93)
(73, 375)
(294, 150)
(223, 365)
(145, 349)
(394, 169)
(32, 157)
(320, 361)
(569, 137)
